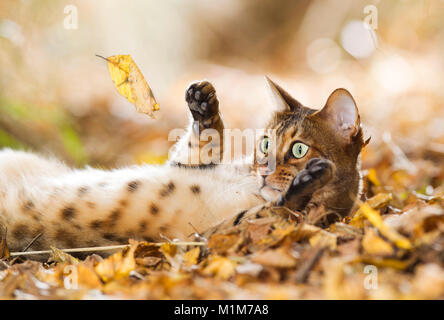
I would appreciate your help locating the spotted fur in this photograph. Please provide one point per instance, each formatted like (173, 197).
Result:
(77, 208)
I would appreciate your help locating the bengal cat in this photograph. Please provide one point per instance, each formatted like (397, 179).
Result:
(316, 162)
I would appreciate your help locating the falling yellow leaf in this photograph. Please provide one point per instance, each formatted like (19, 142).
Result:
(131, 84)
(375, 219)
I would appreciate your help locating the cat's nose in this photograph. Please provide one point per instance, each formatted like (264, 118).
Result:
(264, 171)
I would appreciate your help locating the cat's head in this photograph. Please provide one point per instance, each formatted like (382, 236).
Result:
(300, 134)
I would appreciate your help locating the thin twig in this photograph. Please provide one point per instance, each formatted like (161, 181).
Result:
(98, 55)
(196, 234)
(195, 230)
(105, 248)
(32, 241)
(304, 270)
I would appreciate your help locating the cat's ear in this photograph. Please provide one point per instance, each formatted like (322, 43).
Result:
(341, 112)
(280, 98)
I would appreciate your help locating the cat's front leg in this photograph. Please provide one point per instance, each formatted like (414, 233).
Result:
(203, 145)
(317, 173)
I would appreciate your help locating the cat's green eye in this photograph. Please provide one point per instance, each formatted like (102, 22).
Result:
(299, 150)
(265, 145)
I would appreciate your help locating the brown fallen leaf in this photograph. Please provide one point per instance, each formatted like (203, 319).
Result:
(279, 258)
(148, 261)
(220, 244)
(58, 255)
(117, 266)
(258, 228)
(220, 267)
(375, 245)
(276, 236)
(324, 239)
(418, 220)
(87, 278)
(345, 231)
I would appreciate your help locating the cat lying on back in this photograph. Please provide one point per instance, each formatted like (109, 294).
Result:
(316, 155)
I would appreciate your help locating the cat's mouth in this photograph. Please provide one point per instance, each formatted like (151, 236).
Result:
(270, 193)
(267, 191)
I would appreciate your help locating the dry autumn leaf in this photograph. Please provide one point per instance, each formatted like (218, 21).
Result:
(117, 266)
(131, 83)
(220, 244)
(168, 249)
(324, 239)
(375, 218)
(378, 201)
(87, 277)
(373, 177)
(63, 257)
(375, 245)
(220, 267)
(279, 258)
(191, 257)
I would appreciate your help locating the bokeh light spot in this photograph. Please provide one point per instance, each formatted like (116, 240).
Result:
(358, 39)
(323, 55)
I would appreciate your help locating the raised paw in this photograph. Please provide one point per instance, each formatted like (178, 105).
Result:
(317, 173)
(202, 101)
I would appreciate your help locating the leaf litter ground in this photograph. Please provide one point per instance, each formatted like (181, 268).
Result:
(391, 247)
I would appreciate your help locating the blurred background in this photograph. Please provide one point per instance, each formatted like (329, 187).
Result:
(56, 96)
